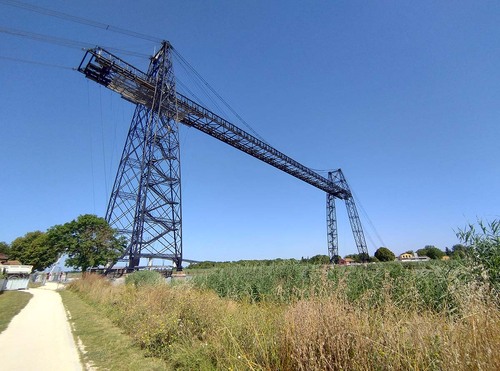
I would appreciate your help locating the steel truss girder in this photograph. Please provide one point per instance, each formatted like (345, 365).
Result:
(194, 115)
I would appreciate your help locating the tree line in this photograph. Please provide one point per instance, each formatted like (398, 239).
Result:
(382, 254)
(87, 241)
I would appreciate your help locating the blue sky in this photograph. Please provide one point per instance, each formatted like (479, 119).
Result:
(403, 96)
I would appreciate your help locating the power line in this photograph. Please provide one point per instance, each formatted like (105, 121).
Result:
(81, 20)
(45, 38)
(107, 27)
(64, 42)
(38, 63)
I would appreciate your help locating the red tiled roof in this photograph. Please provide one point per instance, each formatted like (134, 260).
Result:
(12, 262)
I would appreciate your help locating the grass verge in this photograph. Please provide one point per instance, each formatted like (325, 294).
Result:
(105, 346)
(11, 303)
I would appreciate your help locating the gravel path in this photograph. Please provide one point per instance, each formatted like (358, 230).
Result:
(39, 337)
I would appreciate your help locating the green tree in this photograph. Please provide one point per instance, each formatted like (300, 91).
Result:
(383, 254)
(431, 251)
(364, 257)
(89, 241)
(459, 251)
(319, 259)
(336, 259)
(4, 248)
(34, 249)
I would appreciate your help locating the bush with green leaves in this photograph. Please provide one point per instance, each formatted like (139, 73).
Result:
(431, 251)
(144, 278)
(4, 248)
(383, 254)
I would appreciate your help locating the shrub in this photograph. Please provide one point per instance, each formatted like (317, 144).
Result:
(431, 251)
(483, 250)
(383, 254)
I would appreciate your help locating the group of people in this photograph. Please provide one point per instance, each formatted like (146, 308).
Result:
(53, 277)
(58, 276)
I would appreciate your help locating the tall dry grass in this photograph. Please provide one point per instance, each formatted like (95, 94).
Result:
(332, 334)
(327, 329)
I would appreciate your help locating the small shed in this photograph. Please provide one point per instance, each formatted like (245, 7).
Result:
(15, 276)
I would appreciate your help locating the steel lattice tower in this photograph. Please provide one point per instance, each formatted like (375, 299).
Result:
(145, 203)
(337, 177)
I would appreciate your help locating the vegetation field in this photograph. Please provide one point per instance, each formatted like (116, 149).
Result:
(294, 317)
(11, 303)
(105, 346)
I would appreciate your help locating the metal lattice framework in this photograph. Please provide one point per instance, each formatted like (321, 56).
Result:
(145, 204)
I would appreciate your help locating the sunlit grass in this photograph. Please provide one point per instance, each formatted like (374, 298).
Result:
(11, 303)
(105, 345)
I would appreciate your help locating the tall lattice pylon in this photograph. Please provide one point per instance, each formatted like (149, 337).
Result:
(145, 203)
(337, 178)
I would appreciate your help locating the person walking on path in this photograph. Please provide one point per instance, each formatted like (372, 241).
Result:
(39, 337)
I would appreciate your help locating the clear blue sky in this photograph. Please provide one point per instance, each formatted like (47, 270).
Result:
(403, 96)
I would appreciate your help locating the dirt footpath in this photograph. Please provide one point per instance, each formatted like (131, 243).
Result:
(39, 337)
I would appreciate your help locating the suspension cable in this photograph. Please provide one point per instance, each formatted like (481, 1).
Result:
(365, 214)
(193, 79)
(213, 91)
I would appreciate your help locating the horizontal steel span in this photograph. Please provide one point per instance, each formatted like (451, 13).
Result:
(133, 85)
